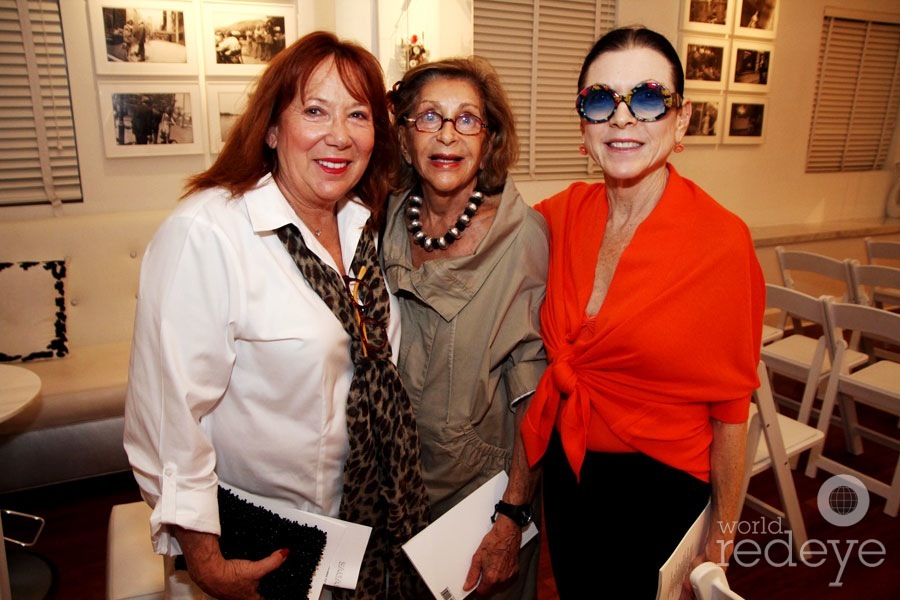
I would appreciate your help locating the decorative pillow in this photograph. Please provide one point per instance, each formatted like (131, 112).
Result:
(32, 310)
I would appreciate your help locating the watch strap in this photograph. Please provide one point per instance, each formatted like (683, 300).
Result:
(519, 513)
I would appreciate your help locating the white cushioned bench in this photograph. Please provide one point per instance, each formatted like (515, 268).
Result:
(133, 570)
(74, 429)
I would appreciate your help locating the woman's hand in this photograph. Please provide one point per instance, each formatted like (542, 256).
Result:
(497, 558)
(727, 455)
(221, 578)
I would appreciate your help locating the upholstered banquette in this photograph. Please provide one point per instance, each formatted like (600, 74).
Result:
(74, 428)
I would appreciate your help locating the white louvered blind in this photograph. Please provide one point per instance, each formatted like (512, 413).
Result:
(857, 96)
(537, 46)
(38, 157)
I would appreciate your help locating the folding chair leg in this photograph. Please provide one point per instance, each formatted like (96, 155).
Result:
(851, 424)
(788, 494)
(824, 421)
(892, 503)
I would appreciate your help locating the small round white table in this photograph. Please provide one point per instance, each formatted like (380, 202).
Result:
(18, 388)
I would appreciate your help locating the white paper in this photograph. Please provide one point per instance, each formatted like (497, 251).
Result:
(442, 552)
(345, 543)
(675, 569)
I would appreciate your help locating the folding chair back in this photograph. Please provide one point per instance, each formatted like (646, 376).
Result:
(829, 275)
(882, 249)
(874, 285)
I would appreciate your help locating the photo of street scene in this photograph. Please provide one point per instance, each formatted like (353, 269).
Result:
(141, 119)
(144, 35)
(243, 39)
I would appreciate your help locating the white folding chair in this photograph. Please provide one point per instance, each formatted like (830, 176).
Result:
(772, 441)
(882, 249)
(876, 385)
(812, 273)
(874, 285)
(798, 356)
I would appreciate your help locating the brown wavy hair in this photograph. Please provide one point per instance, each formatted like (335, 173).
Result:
(501, 143)
(246, 157)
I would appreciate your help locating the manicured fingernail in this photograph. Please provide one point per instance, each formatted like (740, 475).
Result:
(284, 552)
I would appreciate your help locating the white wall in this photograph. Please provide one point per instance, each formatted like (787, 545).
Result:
(764, 184)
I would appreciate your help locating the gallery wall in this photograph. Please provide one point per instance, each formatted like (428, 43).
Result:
(765, 184)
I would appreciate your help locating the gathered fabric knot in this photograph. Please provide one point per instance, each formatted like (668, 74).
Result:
(564, 377)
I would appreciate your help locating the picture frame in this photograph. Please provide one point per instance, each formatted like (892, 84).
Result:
(751, 64)
(226, 102)
(169, 115)
(143, 38)
(262, 30)
(756, 18)
(745, 120)
(706, 62)
(707, 16)
(707, 118)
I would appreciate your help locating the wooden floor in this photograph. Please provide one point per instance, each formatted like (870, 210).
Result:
(74, 540)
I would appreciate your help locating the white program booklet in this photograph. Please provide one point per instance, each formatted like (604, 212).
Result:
(345, 543)
(675, 569)
(442, 552)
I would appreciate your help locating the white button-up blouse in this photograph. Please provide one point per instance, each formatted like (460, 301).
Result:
(239, 371)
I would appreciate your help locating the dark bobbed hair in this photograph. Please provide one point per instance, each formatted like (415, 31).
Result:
(246, 157)
(635, 36)
(501, 142)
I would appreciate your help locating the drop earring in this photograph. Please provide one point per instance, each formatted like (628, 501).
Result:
(582, 150)
(679, 147)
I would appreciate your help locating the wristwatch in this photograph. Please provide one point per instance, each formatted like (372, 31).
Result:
(519, 513)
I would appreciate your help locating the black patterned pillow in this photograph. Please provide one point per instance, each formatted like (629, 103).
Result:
(32, 310)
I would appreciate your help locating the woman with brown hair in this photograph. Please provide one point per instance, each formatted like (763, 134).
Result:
(262, 356)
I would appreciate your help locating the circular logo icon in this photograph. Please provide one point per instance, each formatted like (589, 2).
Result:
(843, 500)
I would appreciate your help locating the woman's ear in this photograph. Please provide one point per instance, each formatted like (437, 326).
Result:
(683, 120)
(404, 151)
(272, 137)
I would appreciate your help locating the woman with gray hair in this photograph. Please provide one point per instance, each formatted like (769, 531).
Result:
(467, 259)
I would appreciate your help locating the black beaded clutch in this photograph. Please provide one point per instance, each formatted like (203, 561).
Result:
(252, 532)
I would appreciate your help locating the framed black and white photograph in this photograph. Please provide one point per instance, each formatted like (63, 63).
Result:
(745, 120)
(707, 16)
(227, 103)
(705, 62)
(707, 118)
(241, 39)
(750, 66)
(756, 18)
(150, 119)
(141, 38)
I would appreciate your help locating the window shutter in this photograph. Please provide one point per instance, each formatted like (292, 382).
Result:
(38, 158)
(857, 96)
(537, 47)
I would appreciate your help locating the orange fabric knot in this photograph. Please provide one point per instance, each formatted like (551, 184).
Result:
(564, 377)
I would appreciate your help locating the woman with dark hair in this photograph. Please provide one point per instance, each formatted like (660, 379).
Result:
(467, 259)
(262, 355)
(652, 325)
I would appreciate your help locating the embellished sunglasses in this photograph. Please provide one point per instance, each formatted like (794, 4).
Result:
(648, 102)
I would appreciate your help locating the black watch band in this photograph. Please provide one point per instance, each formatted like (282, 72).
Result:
(519, 513)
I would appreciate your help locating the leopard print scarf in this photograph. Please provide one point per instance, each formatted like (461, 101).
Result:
(383, 485)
